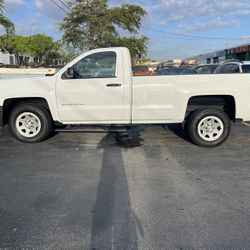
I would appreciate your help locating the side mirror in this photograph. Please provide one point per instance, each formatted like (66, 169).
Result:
(69, 72)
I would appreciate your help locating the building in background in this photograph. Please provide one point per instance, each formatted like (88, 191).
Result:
(7, 59)
(24, 60)
(207, 58)
(241, 53)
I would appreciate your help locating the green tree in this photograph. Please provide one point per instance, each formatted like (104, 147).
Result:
(21, 49)
(91, 24)
(22, 44)
(4, 21)
(17, 45)
(42, 47)
(137, 46)
(68, 52)
(7, 44)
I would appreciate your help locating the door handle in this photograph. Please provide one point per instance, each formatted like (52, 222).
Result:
(113, 85)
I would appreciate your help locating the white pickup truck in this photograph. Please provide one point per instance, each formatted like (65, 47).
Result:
(98, 88)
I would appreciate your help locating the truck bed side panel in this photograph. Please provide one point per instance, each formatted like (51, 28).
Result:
(164, 99)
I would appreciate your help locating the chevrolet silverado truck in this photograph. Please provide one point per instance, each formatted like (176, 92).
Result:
(98, 88)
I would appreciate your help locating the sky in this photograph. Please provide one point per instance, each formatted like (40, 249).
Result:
(176, 28)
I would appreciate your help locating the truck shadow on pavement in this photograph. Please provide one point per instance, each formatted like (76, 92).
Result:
(114, 223)
(133, 137)
(177, 130)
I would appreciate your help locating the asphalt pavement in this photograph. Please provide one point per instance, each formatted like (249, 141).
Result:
(83, 191)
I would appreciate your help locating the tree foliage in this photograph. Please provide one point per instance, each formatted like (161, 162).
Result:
(42, 46)
(7, 44)
(91, 24)
(68, 52)
(137, 46)
(13, 44)
(39, 46)
(4, 21)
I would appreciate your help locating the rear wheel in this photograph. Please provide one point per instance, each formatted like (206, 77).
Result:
(208, 127)
(30, 123)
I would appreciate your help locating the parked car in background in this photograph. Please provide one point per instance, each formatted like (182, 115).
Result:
(233, 67)
(141, 70)
(163, 65)
(206, 68)
(176, 71)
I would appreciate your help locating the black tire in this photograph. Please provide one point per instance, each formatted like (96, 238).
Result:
(43, 116)
(192, 127)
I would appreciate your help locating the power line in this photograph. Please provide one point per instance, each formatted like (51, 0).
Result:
(65, 5)
(193, 36)
(59, 6)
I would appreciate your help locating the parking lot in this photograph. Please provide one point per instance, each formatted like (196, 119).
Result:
(83, 191)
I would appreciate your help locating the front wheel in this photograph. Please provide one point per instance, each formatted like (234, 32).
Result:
(208, 127)
(30, 123)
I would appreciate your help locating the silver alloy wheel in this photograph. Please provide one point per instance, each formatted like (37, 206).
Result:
(28, 124)
(210, 128)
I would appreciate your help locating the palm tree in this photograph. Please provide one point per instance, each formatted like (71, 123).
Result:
(4, 21)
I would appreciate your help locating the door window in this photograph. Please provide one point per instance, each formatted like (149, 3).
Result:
(202, 70)
(235, 69)
(97, 65)
(228, 68)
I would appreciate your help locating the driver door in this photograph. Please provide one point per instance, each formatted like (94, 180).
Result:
(95, 91)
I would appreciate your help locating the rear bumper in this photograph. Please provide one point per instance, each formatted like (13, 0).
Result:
(1, 120)
(1, 116)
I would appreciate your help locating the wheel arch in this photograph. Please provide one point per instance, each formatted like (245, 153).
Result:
(10, 103)
(225, 103)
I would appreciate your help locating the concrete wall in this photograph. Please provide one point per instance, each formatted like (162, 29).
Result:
(9, 59)
(4, 58)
